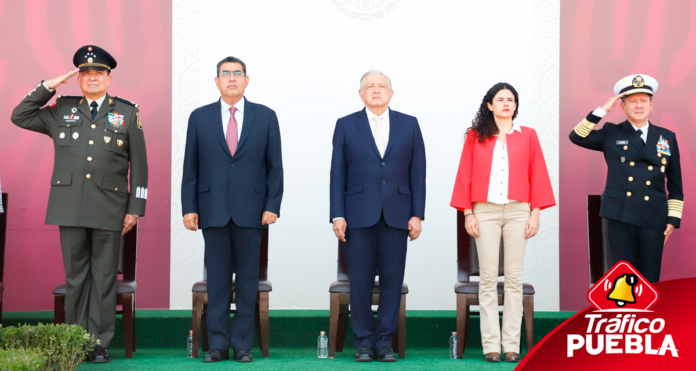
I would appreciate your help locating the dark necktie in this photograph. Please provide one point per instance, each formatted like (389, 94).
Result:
(94, 109)
(640, 135)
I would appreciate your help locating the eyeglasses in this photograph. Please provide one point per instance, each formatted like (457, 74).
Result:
(237, 73)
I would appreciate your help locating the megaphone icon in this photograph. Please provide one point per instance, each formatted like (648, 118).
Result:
(622, 292)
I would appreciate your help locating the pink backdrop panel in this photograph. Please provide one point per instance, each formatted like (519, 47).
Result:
(602, 42)
(39, 38)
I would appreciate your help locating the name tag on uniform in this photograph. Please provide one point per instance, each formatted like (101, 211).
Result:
(71, 118)
(621, 142)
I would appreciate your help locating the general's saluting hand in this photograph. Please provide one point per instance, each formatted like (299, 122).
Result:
(611, 102)
(60, 80)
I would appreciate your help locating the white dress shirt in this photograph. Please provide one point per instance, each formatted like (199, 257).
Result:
(600, 112)
(385, 124)
(500, 171)
(238, 115)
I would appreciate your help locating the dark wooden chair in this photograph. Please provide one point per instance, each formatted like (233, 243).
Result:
(200, 304)
(340, 311)
(125, 290)
(467, 290)
(3, 241)
(598, 240)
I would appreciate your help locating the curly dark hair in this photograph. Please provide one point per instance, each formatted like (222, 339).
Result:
(483, 125)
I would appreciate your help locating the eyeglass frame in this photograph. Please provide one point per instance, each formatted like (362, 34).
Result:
(236, 73)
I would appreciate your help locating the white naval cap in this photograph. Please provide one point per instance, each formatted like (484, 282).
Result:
(635, 84)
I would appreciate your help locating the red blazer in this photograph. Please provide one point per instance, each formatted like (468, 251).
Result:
(529, 179)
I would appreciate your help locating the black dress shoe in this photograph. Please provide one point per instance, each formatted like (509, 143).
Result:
(385, 354)
(99, 355)
(216, 355)
(363, 354)
(243, 356)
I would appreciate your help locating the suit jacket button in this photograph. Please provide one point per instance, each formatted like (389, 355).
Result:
(91, 142)
(633, 163)
(88, 176)
(628, 194)
(647, 183)
(649, 167)
(94, 126)
(647, 198)
(232, 165)
(384, 182)
(630, 178)
(383, 163)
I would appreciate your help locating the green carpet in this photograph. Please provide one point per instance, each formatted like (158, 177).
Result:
(304, 359)
(295, 328)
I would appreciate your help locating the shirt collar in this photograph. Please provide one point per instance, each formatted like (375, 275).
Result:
(99, 101)
(371, 115)
(239, 105)
(515, 127)
(644, 128)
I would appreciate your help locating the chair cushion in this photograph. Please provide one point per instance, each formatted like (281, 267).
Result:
(202, 286)
(122, 287)
(343, 287)
(473, 288)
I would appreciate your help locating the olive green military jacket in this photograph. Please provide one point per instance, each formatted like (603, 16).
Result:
(89, 185)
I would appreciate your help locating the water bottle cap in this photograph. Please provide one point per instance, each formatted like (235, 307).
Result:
(322, 333)
(454, 332)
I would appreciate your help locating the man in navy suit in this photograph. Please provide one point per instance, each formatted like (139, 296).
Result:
(377, 202)
(231, 189)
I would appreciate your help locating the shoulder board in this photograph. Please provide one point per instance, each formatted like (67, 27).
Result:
(69, 97)
(126, 101)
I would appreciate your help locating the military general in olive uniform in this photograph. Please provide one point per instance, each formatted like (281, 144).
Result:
(642, 158)
(97, 139)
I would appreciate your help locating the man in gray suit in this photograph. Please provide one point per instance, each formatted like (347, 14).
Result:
(97, 140)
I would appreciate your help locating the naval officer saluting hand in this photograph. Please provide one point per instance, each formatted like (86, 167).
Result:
(639, 156)
(97, 139)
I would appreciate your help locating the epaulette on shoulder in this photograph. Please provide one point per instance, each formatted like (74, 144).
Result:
(126, 101)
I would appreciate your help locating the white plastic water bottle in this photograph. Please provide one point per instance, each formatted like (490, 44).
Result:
(453, 346)
(323, 346)
(189, 345)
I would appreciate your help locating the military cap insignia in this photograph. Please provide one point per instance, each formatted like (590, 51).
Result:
(126, 101)
(638, 82)
(140, 121)
(115, 119)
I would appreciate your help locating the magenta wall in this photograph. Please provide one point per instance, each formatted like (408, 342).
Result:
(601, 42)
(39, 38)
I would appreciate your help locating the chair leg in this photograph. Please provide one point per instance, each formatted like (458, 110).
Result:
(128, 324)
(333, 323)
(204, 327)
(264, 323)
(196, 326)
(58, 309)
(343, 318)
(462, 317)
(134, 322)
(528, 304)
(402, 328)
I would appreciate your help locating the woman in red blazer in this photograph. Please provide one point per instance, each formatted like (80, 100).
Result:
(501, 186)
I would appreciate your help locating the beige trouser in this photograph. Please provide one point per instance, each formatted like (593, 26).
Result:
(510, 221)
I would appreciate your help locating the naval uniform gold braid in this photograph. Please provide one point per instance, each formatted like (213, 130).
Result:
(584, 128)
(675, 208)
(636, 91)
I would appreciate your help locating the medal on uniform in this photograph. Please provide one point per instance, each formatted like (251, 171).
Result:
(663, 147)
(115, 119)
(119, 142)
(62, 136)
(75, 135)
(107, 139)
(623, 159)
